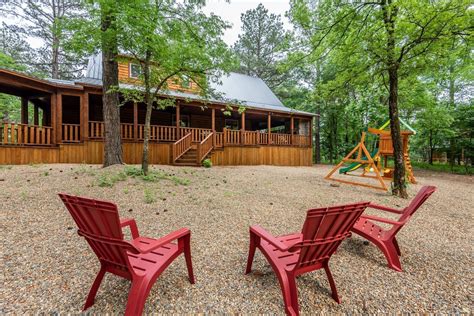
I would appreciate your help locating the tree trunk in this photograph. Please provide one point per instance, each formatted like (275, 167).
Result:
(399, 186)
(110, 98)
(452, 140)
(149, 108)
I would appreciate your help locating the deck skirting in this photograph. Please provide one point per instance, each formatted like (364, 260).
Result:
(91, 152)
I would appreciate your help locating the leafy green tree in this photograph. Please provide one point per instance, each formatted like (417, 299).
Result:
(45, 21)
(387, 38)
(171, 41)
(262, 46)
(9, 105)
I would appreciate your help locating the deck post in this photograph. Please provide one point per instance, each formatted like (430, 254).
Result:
(242, 128)
(135, 121)
(24, 110)
(269, 127)
(85, 116)
(311, 132)
(178, 119)
(52, 117)
(292, 127)
(35, 115)
(213, 126)
(59, 117)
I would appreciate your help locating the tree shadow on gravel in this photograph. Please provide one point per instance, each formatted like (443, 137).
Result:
(361, 249)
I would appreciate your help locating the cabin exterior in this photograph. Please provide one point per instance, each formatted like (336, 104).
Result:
(62, 122)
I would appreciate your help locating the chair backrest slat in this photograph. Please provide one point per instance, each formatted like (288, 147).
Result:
(424, 193)
(99, 224)
(323, 231)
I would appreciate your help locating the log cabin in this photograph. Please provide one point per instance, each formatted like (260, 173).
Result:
(62, 122)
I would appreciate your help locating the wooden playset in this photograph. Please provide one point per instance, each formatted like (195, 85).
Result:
(375, 164)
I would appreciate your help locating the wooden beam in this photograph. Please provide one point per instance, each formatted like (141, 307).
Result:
(242, 121)
(213, 119)
(135, 121)
(35, 115)
(178, 118)
(59, 117)
(269, 127)
(24, 110)
(85, 116)
(311, 132)
(292, 127)
(53, 116)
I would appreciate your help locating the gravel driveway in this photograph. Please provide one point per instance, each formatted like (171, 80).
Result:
(48, 268)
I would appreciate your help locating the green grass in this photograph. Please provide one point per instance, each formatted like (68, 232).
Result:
(467, 170)
(149, 196)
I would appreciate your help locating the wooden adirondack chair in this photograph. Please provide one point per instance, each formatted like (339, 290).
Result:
(140, 260)
(385, 238)
(295, 254)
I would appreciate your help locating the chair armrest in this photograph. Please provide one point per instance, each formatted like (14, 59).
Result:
(385, 208)
(165, 240)
(133, 226)
(382, 220)
(262, 233)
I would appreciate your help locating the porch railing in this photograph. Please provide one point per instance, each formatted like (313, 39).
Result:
(96, 129)
(181, 146)
(231, 137)
(71, 133)
(22, 134)
(197, 134)
(159, 133)
(127, 131)
(219, 139)
(204, 147)
(280, 139)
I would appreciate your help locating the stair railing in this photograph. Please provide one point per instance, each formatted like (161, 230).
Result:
(204, 148)
(181, 146)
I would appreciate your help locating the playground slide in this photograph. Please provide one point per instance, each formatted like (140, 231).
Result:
(355, 165)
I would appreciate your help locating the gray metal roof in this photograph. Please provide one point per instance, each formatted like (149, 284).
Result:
(248, 91)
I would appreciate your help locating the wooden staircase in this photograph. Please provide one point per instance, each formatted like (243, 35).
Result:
(189, 158)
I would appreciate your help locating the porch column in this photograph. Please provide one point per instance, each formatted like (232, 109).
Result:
(59, 118)
(178, 119)
(292, 127)
(24, 110)
(135, 121)
(53, 117)
(213, 126)
(311, 132)
(269, 127)
(84, 116)
(242, 127)
(35, 115)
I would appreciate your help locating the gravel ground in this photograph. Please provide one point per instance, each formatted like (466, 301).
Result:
(48, 268)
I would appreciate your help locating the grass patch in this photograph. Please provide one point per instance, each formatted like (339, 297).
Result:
(5, 167)
(84, 170)
(456, 169)
(149, 196)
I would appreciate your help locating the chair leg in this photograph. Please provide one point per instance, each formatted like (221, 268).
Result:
(397, 248)
(254, 241)
(389, 250)
(187, 257)
(290, 292)
(335, 296)
(137, 297)
(95, 286)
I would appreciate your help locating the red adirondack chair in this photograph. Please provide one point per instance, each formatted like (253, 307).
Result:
(140, 260)
(385, 238)
(295, 254)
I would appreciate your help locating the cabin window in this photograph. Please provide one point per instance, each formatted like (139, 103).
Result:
(184, 120)
(186, 82)
(135, 70)
(232, 124)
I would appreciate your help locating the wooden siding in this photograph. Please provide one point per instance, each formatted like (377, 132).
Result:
(173, 83)
(92, 152)
(265, 155)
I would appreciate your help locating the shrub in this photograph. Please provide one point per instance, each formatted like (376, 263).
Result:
(149, 196)
(207, 163)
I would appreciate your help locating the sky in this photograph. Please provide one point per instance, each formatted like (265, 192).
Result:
(232, 11)
(228, 11)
